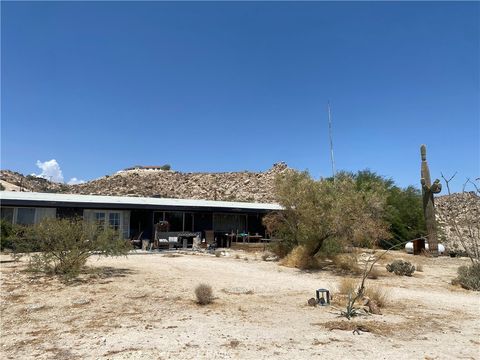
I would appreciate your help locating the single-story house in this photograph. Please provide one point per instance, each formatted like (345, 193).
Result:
(139, 216)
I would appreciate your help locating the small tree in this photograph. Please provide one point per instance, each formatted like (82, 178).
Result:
(315, 211)
(63, 246)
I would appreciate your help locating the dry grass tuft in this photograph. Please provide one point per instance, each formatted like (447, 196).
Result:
(204, 294)
(375, 327)
(348, 286)
(347, 263)
(379, 294)
(300, 258)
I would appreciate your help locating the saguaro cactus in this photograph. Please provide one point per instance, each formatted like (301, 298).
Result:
(428, 189)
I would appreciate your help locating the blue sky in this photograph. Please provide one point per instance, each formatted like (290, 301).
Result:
(211, 86)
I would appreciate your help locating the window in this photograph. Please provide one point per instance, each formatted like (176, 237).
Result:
(230, 222)
(175, 219)
(7, 214)
(100, 219)
(188, 222)
(114, 220)
(26, 216)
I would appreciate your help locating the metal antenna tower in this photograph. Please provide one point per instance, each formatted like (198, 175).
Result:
(331, 140)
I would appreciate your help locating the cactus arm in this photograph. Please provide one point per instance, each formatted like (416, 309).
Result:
(436, 187)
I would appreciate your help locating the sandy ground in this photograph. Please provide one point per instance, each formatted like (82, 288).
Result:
(143, 307)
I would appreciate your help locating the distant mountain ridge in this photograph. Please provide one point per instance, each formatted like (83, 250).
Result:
(149, 182)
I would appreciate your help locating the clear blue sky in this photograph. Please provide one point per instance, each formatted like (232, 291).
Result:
(100, 86)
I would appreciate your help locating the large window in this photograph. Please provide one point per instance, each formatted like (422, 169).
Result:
(236, 223)
(115, 219)
(26, 216)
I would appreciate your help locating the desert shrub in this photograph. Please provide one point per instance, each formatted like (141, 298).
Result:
(64, 245)
(469, 277)
(379, 294)
(165, 167)
(237, 256)
(6, 233)
(280, 248)
(400, 267)
(218, 253)
(300, 258)
(204, 294)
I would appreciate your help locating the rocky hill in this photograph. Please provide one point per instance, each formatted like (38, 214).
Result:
(230, 186)
(14, 181)
(459, 218)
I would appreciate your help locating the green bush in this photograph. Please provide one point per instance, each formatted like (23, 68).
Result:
(403, 212)
(6, 233)
(331, 248)
(64, 245)
(469, 277)
(400, 267)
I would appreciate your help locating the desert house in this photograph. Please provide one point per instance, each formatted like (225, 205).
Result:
(159, 220)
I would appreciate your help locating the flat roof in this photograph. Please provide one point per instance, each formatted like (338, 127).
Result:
(14, 198)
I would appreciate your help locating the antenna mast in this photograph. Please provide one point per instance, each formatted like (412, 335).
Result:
(331, 140)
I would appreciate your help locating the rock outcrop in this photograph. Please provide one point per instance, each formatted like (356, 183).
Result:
(458, 216)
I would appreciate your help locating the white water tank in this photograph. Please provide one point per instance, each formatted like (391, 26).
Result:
(409, 248)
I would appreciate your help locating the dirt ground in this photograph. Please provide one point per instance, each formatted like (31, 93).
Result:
(143, 307)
